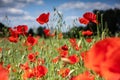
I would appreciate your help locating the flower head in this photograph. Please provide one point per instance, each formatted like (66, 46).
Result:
(73, 59)
(4, 73)
(46, 32)
(87, 33)
(64, 72)
(43, 18)
(104, 58)
(22, 29)
(31, 41)
(88, 17)
(40, 71)
(85, 76)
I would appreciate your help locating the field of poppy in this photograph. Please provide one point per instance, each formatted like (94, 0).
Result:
(27, 57)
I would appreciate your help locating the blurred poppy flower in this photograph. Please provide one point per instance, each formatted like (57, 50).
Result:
(46, 32)
(13, 32)
(4, 73)
(88, 40)
(104, 58)
(64, 72)
(87, 33)
(63, 51)
(76, 47)
(43, 18)
(56, 59)
(13, 35)
(85, 76)
(22, 29)
(31, 41)
(28, 74)
(83, 55)
(32, 57)
(24, 66)
(13, 39)
(64, 47)
(72, 40)
(40, 71)
(88, 17)
(73, 59)
(74, 44)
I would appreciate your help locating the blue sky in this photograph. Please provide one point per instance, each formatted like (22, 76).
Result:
(26, 11)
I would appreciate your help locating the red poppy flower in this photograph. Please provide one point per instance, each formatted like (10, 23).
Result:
(28, 74)
(31, 41)
(13, 39)
(72, 40)
(89, 40)
(56, 59)
(76, 47)
(64, 53)
(88, 17)
(64, 72)
(104, 58)
(13, 35)
(46, 32)
(32, 57)
(73, 59)
(22, 29)
(85, 76)
(84, 55)
(43, 18)
(74, 44)
(40, 71)
(24, 66)
(87, 33)
(4, 73)
(13, 32)
(64, 47)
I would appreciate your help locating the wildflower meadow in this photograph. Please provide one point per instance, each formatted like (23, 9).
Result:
(29, 57)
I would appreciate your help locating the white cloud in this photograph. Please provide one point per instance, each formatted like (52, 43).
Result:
(29, 18)
(12, 12)
(16, 11)
(86, 6)
(72, 20)
(13, 9)
(40, 2)
(18, 3)
(14, 21)
(71, 17)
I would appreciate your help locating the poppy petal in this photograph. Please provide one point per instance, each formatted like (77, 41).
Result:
(90, 16)
(83, 21)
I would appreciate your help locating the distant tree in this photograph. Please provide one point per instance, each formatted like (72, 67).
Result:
(111, 18)
(74, 32)
(3, 30)
(40, 31)
(31, 32)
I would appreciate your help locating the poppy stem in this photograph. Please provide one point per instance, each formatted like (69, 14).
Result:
(48, 26)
